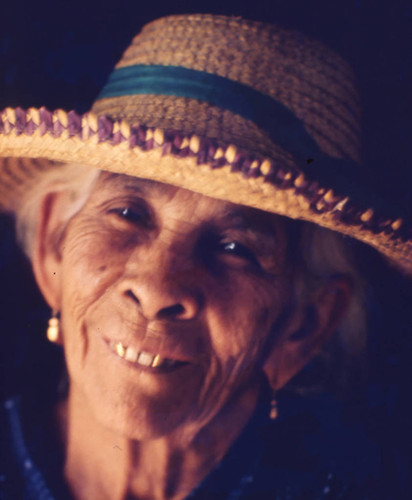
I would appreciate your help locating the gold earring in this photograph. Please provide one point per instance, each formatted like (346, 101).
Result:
(53, 330)
(273, 408)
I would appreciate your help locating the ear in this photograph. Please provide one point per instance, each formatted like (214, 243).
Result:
(46, 257)
(310, 327)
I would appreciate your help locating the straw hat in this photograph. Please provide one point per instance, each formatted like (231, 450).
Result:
(238, 110)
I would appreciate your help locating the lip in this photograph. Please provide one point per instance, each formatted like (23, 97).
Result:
(144, 359)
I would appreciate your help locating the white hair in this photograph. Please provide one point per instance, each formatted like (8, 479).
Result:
(342, 363)
(77, 180)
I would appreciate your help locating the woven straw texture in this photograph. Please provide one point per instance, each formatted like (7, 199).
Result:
(198, 146)
(312, 81)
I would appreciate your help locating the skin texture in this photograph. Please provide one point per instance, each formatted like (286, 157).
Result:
(174, 273)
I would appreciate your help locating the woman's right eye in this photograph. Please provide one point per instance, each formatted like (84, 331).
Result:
(132, 215)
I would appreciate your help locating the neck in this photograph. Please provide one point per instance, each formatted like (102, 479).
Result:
(101, 464)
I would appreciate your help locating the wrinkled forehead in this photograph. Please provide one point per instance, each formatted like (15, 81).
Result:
(110, 184)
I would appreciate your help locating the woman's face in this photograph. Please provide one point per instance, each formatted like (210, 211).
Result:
(168, 299)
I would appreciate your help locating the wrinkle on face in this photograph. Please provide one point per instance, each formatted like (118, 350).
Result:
(106, 256)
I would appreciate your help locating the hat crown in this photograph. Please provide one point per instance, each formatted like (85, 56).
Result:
(194, 139)
(300, 73)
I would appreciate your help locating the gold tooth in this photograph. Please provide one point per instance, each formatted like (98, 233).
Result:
(287, 176)
(230, 154)
(300, 180)
(116, 127)
(195, 143)
(120, 350)
(367, 216)
(265, 167)
(159, 136)
(329, 196)
(397, 224)
(149, 134)
(156, 361)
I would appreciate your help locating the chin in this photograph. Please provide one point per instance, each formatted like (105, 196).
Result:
(139, 417)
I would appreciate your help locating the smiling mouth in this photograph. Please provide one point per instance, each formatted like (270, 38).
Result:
(144, 358)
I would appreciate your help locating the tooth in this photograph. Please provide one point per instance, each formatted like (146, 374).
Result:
(130, 354)
(120, 350)
(157, 361)
(145, 359)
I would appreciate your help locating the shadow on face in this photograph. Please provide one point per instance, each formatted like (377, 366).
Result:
(169, 300)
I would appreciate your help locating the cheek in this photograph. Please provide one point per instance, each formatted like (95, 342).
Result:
(92, 259)
(241, 319)
(92, 265)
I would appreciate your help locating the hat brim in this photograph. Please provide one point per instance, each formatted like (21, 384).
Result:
(222, 171)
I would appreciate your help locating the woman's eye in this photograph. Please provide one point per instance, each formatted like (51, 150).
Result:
(238, 250)
(135, 216)
(129, 214)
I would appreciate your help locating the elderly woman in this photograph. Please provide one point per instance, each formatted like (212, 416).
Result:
(183, 295)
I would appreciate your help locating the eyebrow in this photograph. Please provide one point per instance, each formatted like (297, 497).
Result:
(122, 181)
(134, 184)
(250, 220)
(241, 218)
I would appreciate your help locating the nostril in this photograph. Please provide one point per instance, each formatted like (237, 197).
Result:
(161, 303)
(173, 311)
(130, 294)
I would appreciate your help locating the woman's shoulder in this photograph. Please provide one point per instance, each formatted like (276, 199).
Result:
(11, 463)
(313, 450)
(317, 449)
(31, 464)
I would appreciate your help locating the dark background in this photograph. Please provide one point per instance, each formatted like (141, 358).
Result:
(59, 54)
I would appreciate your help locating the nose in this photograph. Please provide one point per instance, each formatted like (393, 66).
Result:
(163, 286)
(162, 302)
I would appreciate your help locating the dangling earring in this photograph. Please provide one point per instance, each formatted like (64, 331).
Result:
(53, 330)
(273, 408)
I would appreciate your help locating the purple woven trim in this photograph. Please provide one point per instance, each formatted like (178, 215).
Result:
(74, 126)
(46, 121)
(281, 176)
(20, 124)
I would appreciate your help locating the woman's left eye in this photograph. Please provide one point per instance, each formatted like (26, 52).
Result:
(238, 250)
